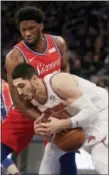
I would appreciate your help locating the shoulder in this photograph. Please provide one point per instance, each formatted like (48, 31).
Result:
(63, 78)
(59, 40)
(64, 84)
(13, 58)
(14, 54)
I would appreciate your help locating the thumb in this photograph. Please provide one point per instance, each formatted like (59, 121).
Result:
(50, 118)
(39, 119)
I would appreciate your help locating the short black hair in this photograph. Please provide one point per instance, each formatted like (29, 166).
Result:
(24, 71)
(29, 13)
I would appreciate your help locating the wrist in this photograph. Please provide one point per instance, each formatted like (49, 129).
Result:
(66, 124)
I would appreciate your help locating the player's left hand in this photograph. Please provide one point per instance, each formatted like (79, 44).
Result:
(53, 126)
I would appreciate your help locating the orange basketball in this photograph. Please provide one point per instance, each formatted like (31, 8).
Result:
(71, 140)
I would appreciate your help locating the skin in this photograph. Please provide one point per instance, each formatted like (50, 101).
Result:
(31, 33)
(70, 93)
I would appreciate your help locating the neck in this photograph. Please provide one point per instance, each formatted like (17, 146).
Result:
(41, 95)
(40, 46)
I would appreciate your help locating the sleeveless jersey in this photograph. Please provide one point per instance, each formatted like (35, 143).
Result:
(97, 95)
(54, 104)
(6, 101)
(98, 129)
(45, 63)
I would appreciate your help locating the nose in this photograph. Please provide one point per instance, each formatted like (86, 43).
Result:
(19, 91)
(27, 34)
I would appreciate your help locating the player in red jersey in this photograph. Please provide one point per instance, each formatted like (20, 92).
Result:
(47, 54)
(8, 165)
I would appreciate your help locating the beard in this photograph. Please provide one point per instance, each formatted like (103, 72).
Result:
(33, 44)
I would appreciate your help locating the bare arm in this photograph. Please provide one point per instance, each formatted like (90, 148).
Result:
(78, 100)
(12, 60)
(71, 89)
(63, 49)
(86, 114)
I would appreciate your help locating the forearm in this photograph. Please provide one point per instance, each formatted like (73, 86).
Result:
(86, 115)
(27, 111)
(82, 119)
(33, 114)
(66, 68)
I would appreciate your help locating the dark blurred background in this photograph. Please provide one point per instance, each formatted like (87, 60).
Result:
(84, 26)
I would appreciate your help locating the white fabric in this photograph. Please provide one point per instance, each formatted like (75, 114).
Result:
(100, 158)
(86, 115)
(50, 161)
(49, 164)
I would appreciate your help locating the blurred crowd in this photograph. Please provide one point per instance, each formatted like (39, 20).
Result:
(84, 25)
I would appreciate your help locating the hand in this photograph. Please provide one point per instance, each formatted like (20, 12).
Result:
(52, 127)
(38, 129)
(40, 119)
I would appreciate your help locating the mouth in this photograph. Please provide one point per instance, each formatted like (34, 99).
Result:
(29, 40)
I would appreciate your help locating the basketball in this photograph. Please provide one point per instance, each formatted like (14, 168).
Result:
(71, 140)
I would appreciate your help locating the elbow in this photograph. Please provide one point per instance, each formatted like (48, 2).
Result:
(92, 116)
(17, 104)
(94, 112)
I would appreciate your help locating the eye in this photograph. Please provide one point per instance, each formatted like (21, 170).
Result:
(31, 28)
(21, 85)
(23, 29)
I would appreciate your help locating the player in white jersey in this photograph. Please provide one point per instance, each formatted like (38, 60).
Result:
(86, 104)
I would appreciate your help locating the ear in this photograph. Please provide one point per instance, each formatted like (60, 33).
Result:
(34, 77)
(41, 26)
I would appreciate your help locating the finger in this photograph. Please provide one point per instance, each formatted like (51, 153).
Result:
(42, 134)
(38, 130)
(45, 125)
(39, 119)
(53, 118)
(37, 126)
(50, 119)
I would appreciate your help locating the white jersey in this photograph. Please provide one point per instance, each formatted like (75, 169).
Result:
(53, 103)
(98, 97)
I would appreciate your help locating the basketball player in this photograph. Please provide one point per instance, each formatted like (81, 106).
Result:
(47, 53)
(6, 104)
(86, 103)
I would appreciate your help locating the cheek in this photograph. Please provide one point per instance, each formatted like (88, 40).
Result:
(29, 90)
(22, 33)
(26, 90)
(37, 31)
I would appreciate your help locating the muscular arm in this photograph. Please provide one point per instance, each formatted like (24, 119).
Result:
(63, 49)
(12, 60)
(87, 113)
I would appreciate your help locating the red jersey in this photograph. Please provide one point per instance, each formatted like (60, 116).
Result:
(6, 96)
(6, 100)
(17, 129)
(46, 63)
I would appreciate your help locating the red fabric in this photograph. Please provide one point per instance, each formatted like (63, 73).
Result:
(46, 63)
(17, 130)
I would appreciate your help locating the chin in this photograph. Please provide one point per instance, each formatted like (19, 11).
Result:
(31, 43)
